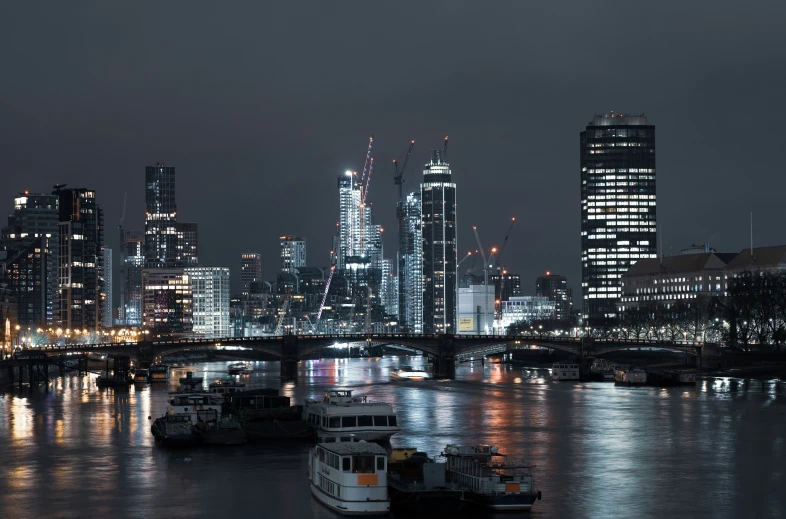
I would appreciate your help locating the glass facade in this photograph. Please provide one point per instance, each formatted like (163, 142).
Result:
(161, 239)
(167, 301)
(293, 253)
(555, 287)
(410, 265)
(132, 260)
(438, 216)
(250, 271)
(618, 206)
(210, 300)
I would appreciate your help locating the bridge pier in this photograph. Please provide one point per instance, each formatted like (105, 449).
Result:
(445, 362)
(289, 358)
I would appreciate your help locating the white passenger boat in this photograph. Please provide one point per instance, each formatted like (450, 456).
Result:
(340, 412)
(239, 368)
(493, 481)
(686, 377)
(630, 377)
(349, 477)
(603, 369)
(564, 371)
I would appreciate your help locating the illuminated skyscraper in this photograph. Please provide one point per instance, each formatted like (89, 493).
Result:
(438, 214)
(410, 265)
(81, 260)
(167, 300)
(107, 315)
(250, 271)
(161, 238)
(132, 261)
(349, 218)
(210, 300)
(293, 253)
(187, 244)
(618, 218)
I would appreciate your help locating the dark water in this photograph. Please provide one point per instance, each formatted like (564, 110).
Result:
(716, 450)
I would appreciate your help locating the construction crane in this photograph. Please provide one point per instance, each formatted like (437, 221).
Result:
(282, 313)
(482, 255)
(324, 296)
(398, 178)
(505, 242)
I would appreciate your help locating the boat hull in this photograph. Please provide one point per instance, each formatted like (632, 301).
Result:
(362, 508)
(183, 439)
(438, 502)
(278, 430)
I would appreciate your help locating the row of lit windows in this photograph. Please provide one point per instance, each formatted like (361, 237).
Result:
(618, 170)
(620, 197)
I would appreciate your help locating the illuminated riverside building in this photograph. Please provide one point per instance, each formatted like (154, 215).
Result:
(410, 265)
(161, 237)
(167, 300)
(187, 243)
(349, 225)
(132, 261)
(438, 217)
(250, 271)
(209, 300)
(618, 217)
(555, 287)
(81, 240)
(293, 253)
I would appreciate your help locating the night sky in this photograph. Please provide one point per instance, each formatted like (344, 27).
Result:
(261, 106)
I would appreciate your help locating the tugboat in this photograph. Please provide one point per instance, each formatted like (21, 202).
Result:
(417, 486)
(349, 477)
(340, 412)
(493, 481)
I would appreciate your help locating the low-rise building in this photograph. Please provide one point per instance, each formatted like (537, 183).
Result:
(525, 309)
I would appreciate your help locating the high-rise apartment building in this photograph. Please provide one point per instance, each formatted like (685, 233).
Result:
(350, 224)
(81, 240)
(438, 213)
(31, 239)
(410, 264)
(132, 261)
(161, 236)
(167, 300)
(618, 218)
(107, 315)
(187, 244)
(506, 285)
(210, 300)
(250, 270)
(555, 288)
(293, 253)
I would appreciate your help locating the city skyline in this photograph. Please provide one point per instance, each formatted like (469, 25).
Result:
(254, 133)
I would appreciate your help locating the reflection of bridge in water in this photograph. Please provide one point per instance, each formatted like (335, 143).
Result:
(445, 349)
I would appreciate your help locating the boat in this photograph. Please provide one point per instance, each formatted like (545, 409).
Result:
(266, 415)
(409, 373)
(493, 481)
(110, 379)
(686, 378)
(417, 485)
(565, 371)
(141, 375)
(602, 370)
(239, 368)
(190, 383)
(349, 477)
(183, 412)
(159, 373)
(339, 412)
(212, 429)
(219, 388)
(630, 377)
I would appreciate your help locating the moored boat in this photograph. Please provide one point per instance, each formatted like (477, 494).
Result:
(159, 373)
(417, 485)
(239, 368)
(602, 370)
(350, 477)
(141, 375)
(340, 412)
(492, 480)
(565, 371)
(219, 430)
(220, 388)
(190, 383)
(109, 379)
(174, 430)
(266, 415)
(630, 377)
(687, 378)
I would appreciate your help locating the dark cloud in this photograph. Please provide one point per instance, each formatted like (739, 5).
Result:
(260, 106)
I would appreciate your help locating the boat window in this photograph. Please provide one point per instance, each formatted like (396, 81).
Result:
(335, 421)
(349, 421)
(365, 420)
(381, 421)
(345, 463)
(392, 421)
(380, 463)
(330, 439)
(362, 464)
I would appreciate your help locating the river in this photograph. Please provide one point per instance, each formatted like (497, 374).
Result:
(714, 450)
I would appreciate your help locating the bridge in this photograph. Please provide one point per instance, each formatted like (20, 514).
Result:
(445, 349)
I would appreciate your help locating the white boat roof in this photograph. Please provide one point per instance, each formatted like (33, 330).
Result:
(361, 447)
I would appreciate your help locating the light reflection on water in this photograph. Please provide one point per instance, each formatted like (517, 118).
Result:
(715, 450)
